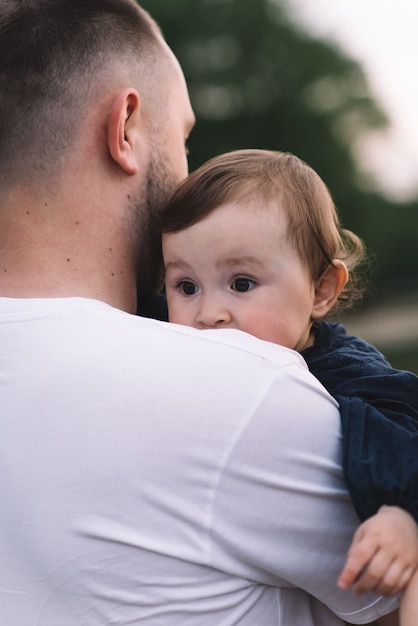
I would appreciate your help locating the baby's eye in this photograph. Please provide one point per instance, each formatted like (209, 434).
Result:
(242, 284)
(187, 287)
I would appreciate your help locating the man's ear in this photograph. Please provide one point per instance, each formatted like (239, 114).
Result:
(123, 130)
(328, 287)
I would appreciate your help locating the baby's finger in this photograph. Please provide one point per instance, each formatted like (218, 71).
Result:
(395, 580)
(373, 574)
(406, 577)
(389, 584)
(349, 574)
(357, 558)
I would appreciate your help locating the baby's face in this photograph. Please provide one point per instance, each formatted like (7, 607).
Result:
(236, 269)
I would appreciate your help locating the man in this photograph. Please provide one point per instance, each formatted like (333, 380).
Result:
(150, 474)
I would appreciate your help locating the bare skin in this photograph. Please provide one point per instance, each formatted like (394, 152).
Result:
(383, 555)
(409, 603)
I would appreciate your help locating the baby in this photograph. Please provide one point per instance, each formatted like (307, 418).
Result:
(252, 241)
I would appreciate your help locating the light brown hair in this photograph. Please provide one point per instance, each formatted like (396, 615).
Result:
(51, 52)
(277, 179)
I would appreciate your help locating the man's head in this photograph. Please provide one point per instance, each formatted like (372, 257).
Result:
(93, 105)
(54, 54)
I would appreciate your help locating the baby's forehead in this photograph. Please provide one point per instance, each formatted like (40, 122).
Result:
(260, 205)
(247, 222)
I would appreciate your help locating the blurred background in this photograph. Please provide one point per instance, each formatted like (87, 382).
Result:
(334, 83)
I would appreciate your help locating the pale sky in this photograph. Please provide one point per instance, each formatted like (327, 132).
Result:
(382, 35)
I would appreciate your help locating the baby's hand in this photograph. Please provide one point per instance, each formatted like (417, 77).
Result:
(383, 555)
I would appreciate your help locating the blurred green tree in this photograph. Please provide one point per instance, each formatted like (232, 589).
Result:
(258, 80)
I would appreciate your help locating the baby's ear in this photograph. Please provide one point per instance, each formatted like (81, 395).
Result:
(328, 287)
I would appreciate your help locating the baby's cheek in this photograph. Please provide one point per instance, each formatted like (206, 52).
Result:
(257, 325)
(274, 331)
(180, 313)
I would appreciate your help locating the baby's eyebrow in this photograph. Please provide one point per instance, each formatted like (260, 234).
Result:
(176, 265)
(248, 261)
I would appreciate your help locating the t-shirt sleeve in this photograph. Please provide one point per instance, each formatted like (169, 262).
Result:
(281, 514)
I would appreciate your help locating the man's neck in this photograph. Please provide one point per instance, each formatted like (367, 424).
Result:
(65, 282)
(60, 240)
(31, 266)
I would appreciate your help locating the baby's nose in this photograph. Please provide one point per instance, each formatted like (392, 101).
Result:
(213, 315)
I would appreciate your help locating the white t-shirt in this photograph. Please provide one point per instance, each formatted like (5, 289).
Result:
(151, 474)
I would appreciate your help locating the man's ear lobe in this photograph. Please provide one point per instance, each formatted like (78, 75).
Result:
(328, 287)
(123, 130)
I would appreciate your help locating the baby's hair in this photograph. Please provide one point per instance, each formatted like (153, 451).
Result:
(275, 179)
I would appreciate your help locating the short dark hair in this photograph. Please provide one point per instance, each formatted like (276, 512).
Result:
(50, 53)
(280, 180)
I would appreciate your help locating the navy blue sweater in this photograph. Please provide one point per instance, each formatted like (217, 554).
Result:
(379, 415)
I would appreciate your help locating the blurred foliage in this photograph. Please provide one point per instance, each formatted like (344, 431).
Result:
(403, 357)
(258, 80)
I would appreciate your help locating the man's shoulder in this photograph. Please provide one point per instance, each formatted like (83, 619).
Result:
(222, 340)
(224, 355)
(91, 331)
(231, 340)
(90, 323)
